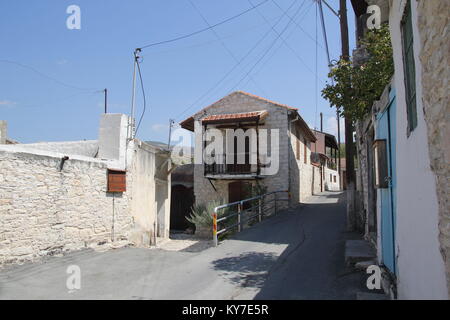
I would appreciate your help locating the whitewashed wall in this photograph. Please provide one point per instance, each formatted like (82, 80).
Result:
(421, 272)
(330, 185)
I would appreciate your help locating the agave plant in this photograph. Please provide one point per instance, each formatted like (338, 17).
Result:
(201, 215)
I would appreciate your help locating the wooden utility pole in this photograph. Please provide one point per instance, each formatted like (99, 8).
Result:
(106, 100)
(349, 146)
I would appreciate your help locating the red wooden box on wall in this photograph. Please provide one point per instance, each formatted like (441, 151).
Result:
(117, 180)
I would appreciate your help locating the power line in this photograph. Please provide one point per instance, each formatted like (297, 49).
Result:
(282, 44)
(143, 95)
(270, 47)
(201, 30)
(235, 66)
(297, 25)
(58, 99)
(284, 41)
(46, 76)
(221, 41)
(225, 37)
(316, 84)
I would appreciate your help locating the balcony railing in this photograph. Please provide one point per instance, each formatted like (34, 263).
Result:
(220, 167)
(331, 165)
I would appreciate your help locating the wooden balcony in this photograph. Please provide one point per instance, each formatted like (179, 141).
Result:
(233, 170)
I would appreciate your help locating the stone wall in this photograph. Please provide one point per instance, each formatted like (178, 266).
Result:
(48, 208)
(433, 25)
(45, 211)
(301, 173)
(363, 188)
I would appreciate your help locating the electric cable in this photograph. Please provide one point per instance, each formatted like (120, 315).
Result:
(46, 76)
(201, 30)
(233, 68)
(143, 95)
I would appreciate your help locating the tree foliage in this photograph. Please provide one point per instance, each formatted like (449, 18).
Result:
(356, 87)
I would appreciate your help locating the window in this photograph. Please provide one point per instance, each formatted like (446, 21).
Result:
(409, 68)
(334, 178)
(116, 181)
(305, 158)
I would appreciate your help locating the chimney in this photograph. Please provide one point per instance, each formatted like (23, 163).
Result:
(112, 137)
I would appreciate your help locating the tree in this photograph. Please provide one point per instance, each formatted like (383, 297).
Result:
(356, 87)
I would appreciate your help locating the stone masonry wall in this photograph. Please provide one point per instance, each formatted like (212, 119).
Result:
(301, 172)
(44, 211)
(433, 25)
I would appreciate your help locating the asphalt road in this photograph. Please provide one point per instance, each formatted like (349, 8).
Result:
(297, 254)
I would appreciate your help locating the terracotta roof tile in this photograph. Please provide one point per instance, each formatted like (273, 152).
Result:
(235, 116)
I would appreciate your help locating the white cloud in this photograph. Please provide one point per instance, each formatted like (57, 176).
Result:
(62, 61)
(7, 103)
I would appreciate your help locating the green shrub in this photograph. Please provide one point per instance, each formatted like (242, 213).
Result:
(201, 215)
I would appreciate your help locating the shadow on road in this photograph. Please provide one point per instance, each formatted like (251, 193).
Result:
(310, 267)
(247, 269)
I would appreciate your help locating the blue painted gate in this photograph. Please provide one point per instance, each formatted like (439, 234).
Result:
(386, 130)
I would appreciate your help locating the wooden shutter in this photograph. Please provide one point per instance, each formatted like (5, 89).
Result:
(116, 180)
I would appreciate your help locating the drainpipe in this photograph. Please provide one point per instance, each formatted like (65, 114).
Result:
(61, 164)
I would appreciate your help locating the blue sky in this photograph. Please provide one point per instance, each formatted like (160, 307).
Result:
(65, 104)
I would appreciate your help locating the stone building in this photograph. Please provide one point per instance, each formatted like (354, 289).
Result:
(274, 151)
(59, 196)
(434, 40)
(324, 156)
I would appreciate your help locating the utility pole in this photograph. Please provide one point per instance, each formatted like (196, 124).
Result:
(133, 96)
(171, 122)
(321, 122)
(339, 147)
(349, 146)
(319, 3)
(106, 100)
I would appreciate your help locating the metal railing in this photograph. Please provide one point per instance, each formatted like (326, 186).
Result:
(246, 211)
(217, 164)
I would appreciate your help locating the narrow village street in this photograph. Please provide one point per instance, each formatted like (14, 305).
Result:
(297, 254)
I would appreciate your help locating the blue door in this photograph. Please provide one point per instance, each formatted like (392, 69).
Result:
(386, 130)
